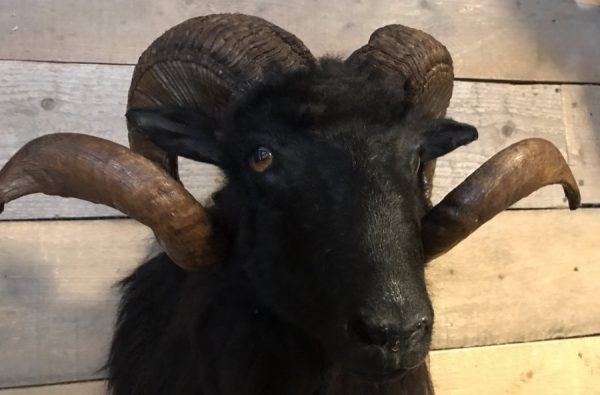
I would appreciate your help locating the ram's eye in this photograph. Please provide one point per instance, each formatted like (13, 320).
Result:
(261, 159)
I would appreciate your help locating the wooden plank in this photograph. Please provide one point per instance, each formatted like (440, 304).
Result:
(581, 106)
(511, 40)
(524, 276)
(90, 388)
(42, 98)
(542, 368)
(57, 300)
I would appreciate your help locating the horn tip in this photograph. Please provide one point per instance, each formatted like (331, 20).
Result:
(573, 196)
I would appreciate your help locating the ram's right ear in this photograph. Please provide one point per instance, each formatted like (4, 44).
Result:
(178, 131)
(445, 135)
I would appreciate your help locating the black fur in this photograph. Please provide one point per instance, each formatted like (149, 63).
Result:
(323, 290)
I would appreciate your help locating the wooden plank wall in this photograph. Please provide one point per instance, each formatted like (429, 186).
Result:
(553, 40)
(516, 303)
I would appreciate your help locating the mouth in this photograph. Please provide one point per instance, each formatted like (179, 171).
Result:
(375, 364)
(380, 376)
(372, 364)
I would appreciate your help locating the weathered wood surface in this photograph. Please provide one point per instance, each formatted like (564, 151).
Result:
(57, 295)
(524, 276)
(557, 367)
(542, 368)
(42, 98)
(582, 120)
(89, 388)
(553, 40)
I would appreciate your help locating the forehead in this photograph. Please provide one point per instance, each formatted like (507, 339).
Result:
(334, 102)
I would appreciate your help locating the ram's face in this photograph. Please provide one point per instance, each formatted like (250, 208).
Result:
(332, 231)
(324, 201)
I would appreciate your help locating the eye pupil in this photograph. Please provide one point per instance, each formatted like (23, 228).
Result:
(261, 154)
(261, 159)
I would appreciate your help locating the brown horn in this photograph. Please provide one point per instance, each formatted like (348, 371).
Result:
(205, 62)
(507, 177)
(424, 64)
(100, 171)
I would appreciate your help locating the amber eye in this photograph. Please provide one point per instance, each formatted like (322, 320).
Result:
(261, 159)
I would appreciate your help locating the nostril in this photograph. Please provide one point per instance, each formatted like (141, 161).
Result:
(369, 334)
(382, 333)
(420, 328)
(422, 324)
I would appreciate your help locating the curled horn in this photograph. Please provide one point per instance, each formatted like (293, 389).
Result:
(507, 177)
(100, 171)
(424, 64)
(510, 175)
(202, 64)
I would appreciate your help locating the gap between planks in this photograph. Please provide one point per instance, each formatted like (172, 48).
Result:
(461, 79)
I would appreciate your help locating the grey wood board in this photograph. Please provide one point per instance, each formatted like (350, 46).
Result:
(582, 120)
(553, 40)
(57, 300)
(42, 98)
(57, 295)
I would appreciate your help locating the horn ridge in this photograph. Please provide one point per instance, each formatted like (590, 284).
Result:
(100, 171)
(205, 62)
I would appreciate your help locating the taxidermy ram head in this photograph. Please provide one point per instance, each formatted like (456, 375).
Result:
(328, 166)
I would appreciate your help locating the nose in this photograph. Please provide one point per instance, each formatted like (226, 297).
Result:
(391, 335)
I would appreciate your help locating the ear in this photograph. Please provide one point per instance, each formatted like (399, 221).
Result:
(178, 131)
(443, 136)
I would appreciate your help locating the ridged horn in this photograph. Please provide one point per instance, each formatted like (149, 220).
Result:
(507, 177)
(100, 171)
(424, 64)
(204, 63)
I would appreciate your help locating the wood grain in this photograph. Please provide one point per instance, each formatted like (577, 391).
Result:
(42, 98)
(491, 39)
(542, 368)
(526, 275)
(57, 295)
(503, 114)
(582, 120)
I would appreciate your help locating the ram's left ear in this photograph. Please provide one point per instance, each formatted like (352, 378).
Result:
(442, 136)
(178, 131)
